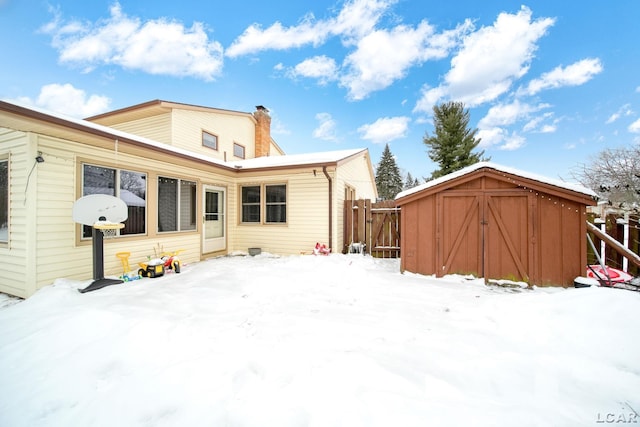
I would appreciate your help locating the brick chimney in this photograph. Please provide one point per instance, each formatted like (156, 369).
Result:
(263, 131)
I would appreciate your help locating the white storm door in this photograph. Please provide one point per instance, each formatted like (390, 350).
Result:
(214, 229)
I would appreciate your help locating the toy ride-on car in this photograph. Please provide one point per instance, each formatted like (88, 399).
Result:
(171, 261)
(152, 268)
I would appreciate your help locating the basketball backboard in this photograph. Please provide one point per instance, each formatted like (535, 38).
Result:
(95, 208)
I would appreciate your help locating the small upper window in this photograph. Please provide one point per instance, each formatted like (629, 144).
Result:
(238, 150)
(209, 140)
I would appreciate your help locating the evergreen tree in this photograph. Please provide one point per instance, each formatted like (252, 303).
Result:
(388, 180)
(410, 182)
(452, 143)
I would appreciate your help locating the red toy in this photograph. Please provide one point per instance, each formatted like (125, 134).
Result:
(321, 249)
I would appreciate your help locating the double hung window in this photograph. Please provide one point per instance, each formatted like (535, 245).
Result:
(176, 204)
(269, 198)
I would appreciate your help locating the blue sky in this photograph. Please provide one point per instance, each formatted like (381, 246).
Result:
(549, 85)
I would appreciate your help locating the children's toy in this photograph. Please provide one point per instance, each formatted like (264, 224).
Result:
(127, 275)
(321, 249)
(152, 268)
(171, 261)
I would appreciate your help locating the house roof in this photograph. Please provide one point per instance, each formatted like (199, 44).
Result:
(531, 177)
(155, 107)
(32, 119)
(297, 159)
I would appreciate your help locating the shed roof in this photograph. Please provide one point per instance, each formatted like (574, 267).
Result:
(531, 178)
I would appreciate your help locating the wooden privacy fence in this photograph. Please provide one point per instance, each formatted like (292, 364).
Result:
(372, 227)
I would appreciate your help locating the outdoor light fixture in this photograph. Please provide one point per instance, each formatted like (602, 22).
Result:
(39, 158)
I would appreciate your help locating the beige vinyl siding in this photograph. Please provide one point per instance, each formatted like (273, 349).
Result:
(157, 128)
(228, 127)
(16, 272)
(52, 234)
(307, 215)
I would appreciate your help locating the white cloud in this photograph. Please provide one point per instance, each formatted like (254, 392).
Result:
(536, 123)
(490, 59)
(493, 128)
(575, 74)
(277, 37)
(507, 114)
(321, 67)
(490, 136)
(500, 138)
(66, 99)
(356, 18)
(384, 56)
(625, 110)
(385, 129)
(380, 57)
(513, 142)
(156, 46)
(430, 97)
(635, 126)
(548, 128)
(326, 130)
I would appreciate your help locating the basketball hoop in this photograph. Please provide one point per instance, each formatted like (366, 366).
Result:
(105, 214)
(109, 229)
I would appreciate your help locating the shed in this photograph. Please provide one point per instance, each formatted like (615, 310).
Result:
(496, 222)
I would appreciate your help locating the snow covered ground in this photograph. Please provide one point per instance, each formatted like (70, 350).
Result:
(339, 340)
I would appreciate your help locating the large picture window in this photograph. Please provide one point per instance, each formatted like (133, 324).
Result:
(130, 186)
(176, 204)
(272, 197)
(4, 201)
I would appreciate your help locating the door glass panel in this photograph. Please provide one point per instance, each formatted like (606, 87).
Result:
(214, 215)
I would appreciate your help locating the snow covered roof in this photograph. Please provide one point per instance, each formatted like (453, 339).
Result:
(296, 159)
(115, 133)
(500, 168)
(255, 163)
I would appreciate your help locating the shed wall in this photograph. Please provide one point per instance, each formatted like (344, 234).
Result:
(492, 228)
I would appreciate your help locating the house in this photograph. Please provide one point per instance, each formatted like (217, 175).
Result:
(207, 181)
(496, 222)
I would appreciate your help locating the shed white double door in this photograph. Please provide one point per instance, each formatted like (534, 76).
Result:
(214, 219)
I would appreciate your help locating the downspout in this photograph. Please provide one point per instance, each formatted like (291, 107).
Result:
(324, 170)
